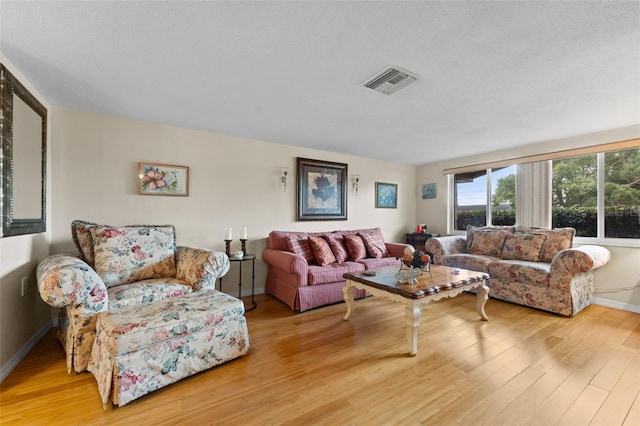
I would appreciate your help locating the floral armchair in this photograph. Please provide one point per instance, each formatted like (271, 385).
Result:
(119, 267)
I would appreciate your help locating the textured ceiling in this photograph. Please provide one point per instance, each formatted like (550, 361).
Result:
(494, 74)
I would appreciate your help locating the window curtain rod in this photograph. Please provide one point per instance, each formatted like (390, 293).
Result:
(594, 149)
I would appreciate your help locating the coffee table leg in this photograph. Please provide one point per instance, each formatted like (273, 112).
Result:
(412, 315)
(482, 295)
(349, 298)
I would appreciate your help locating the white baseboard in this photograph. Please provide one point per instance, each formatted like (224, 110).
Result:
(617, 305)
(26, 348)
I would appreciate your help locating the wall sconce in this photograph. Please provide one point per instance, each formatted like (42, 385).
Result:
(355, 180)
(283, 178)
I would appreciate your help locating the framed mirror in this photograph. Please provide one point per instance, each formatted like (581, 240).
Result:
(23, 123)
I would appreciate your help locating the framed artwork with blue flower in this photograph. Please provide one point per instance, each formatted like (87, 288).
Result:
(322, 190)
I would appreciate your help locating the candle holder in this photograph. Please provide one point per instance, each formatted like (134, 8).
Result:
(243, 242)
(227, 244)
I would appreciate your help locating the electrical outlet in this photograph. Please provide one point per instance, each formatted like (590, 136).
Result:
(25, 286)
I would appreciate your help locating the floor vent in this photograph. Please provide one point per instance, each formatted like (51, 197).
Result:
(391, 80)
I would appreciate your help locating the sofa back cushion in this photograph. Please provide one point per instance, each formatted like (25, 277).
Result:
(558, 239)
(338, 248)
(81, 234)
(471, 231)
(355, 246)
(488, 242)
(374, 243)
(299, 245)
(523, 246)
(321, 251)
(132, 253)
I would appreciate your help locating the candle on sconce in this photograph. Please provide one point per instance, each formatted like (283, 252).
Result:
(228, 234)
(244, 233)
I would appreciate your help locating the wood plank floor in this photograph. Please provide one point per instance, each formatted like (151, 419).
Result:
(521, 367)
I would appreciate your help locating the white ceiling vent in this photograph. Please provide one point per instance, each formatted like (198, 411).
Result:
(391, 80)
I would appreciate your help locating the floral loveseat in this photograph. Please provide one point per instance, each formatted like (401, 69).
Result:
(534, 267)
(119, 267)
(305, 269)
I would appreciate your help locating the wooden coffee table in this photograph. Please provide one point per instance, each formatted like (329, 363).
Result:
(446, 282)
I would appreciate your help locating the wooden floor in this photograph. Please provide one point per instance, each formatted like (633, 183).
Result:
(521, 367)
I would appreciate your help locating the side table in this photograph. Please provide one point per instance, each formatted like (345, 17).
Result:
(417, 240)
(246, 258)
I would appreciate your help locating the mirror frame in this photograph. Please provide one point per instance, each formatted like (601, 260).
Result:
(11, 226)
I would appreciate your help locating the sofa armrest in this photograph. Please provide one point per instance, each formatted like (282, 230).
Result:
(288, 263)
(445, 246)
(570, 262)
(201, 267)
(580, 259)
(396, 249)
(68, 281)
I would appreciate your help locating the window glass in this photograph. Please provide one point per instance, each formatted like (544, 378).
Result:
(503, 196)
(470, 199)
(622, 194)
(574, 190)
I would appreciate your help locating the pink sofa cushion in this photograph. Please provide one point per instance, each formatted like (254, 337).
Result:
(321, 251)
(523, 246)
(374, 243)
(332, 273)
(300, 245)
(355, 246)
(336, 242)
(374, 263)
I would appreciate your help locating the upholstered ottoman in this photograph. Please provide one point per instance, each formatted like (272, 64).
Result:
(141, 349)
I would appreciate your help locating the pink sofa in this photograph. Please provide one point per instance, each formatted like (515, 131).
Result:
(299, 281)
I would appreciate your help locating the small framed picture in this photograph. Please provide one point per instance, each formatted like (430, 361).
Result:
(429, 190)
(386, 195)
(163, 179)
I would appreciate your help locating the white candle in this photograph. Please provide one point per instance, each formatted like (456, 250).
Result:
(228, 234)
(244, 233)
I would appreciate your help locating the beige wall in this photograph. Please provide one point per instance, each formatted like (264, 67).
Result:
(622, 272)
(235, 182)
(22, 317)
(92, 175)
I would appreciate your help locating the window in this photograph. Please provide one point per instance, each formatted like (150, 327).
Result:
(471, 200)
(598, 194)
(574, 194)
(503, 196)
(622, 194)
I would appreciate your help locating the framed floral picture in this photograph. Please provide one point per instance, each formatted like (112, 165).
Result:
(322, 190)
(163, 179)
(386, 195)
(429, 190)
